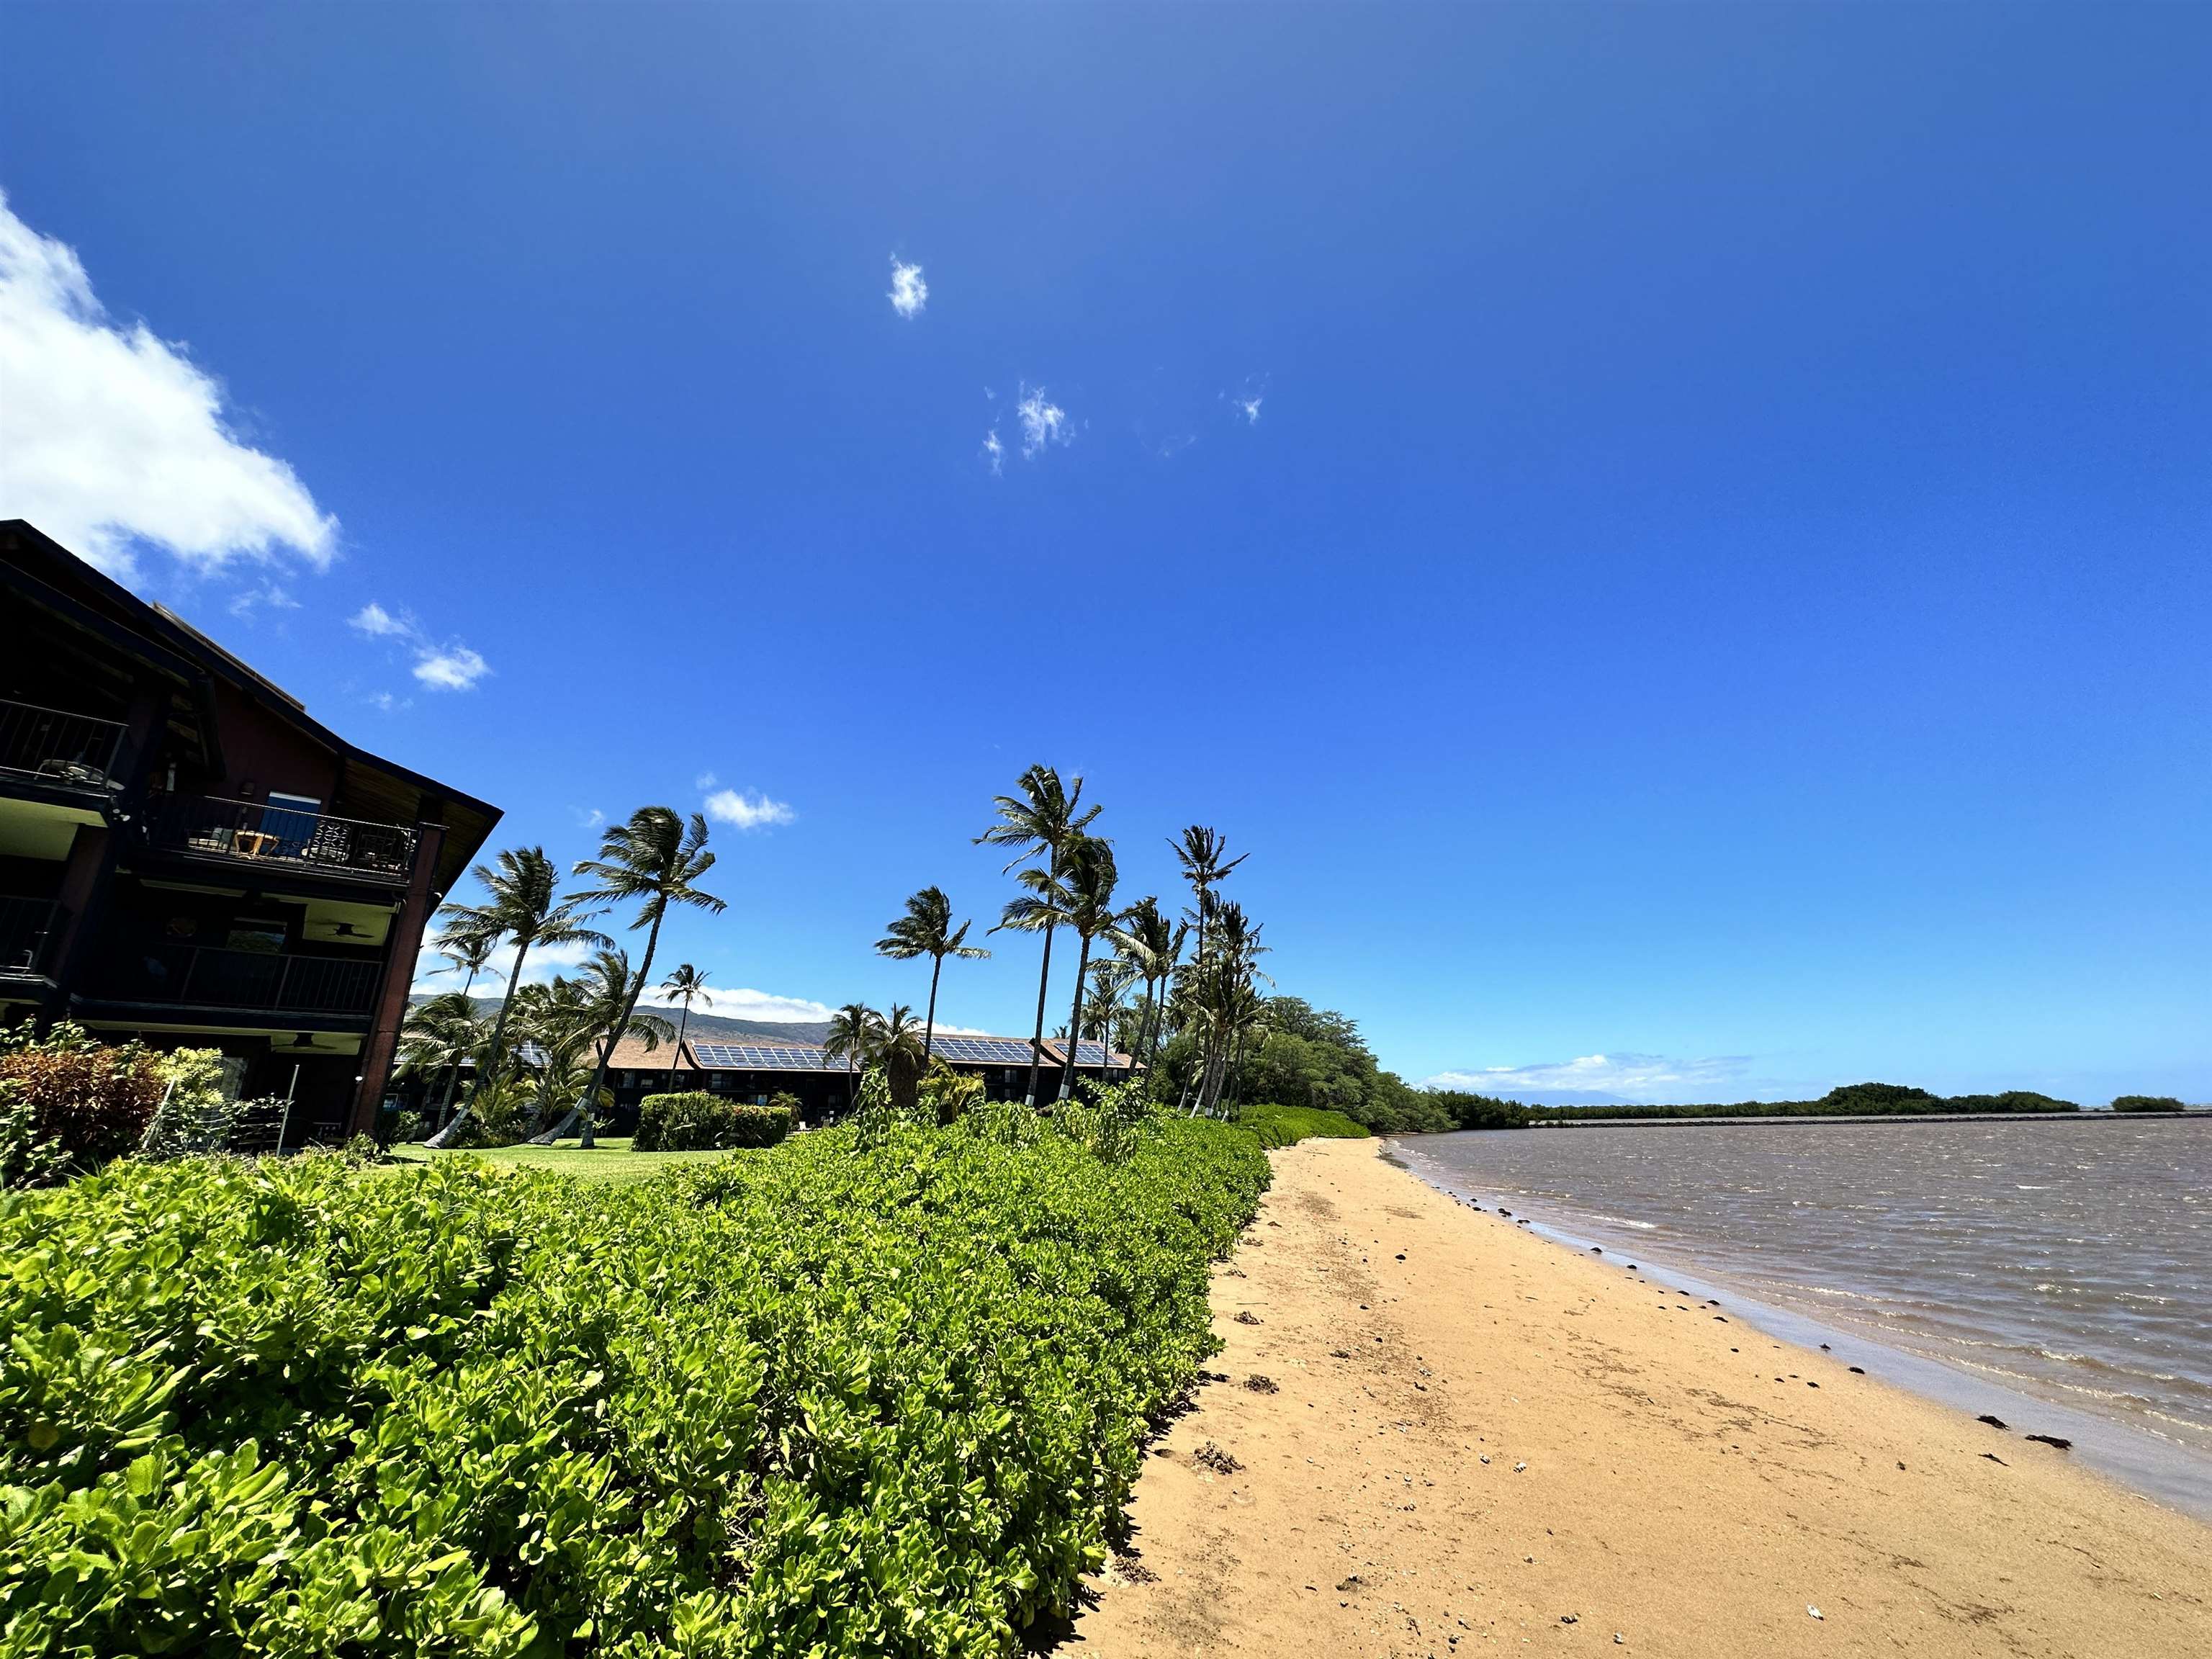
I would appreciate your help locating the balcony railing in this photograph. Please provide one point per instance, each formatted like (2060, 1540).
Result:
(28, 927)
(57, 747)
(209, 826)
(208, 977)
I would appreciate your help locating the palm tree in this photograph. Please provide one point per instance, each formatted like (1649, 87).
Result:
(1226, 1000)
(1150, 944)
(654, 860)
(1090, 880)
(1111, 979)
(851, 1037)
(927, 930)
(462, 948)
(687, 984)
(1041, 822)
(1200, 852)
(605, 1011)
(442, 1034)
(898, 1048)
(523, 908)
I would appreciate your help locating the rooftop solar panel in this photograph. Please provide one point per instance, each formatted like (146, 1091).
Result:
(764, 1057)
(983, 1051)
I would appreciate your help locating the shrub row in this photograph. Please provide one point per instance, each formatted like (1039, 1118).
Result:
(834, 1400)
(1284, 1126)
(2148, 1103)
(704, 1123)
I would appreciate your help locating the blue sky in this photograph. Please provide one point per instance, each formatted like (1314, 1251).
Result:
(1676, 538)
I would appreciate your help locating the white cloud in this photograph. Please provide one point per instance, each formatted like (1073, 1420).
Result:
(1599, 1079)
(746, 811)
(110, 434)
(588, 820)
(909, 293)
(994, 452)
(1044, 423)
(704, 780)
(741, 1003)
(1251, 408)
(451, 666)
(274, 595)
(543, 962)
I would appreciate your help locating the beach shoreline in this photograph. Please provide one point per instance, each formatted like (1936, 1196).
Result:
(1432, 1433)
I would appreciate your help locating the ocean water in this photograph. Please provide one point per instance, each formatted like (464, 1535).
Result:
(2066, 1261)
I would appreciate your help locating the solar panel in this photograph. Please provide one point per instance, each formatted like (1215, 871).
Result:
(1089, 1053)
(983, 1051)
(764, 1057)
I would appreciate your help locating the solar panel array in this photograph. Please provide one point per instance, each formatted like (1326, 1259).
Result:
(983, 1051)
(1089, 1054)
(764, 1057)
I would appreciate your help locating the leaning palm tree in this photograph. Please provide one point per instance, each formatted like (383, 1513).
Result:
(463, 949)
(1200, 852)
(852, 1038)
(442, 1034)
(1041, 822)
(523, 907)
(605, 1013)
(686, 985)
(1091, 880)
(1111, 979)
(654, 861)
(927, 930)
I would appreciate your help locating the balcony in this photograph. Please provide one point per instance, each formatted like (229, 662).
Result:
(73, 751)
(207, 976)
(28, 927)
(252, 832)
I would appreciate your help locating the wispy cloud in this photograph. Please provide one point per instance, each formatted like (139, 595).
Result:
(1044, 423)
(909, 293)
(704, 780)
(110, 434)
(543, 962)
(443, 665)
(1247, 401)
(1599, 1079)
(994, 452)
(588, 819)
(746, 810)
(273, 595)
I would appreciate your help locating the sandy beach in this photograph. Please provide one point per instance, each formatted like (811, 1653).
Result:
(1434, 1434)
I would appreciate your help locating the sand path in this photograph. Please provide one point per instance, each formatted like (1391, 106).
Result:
(1477, 1441)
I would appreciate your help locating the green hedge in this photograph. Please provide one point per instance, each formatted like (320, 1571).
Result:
(702, 1123)
(2148, 1103)
(1284, 1126)
(830, 1401)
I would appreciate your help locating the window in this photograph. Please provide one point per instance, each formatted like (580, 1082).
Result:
(291, 820)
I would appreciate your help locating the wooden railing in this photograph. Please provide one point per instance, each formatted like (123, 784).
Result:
(209, 976)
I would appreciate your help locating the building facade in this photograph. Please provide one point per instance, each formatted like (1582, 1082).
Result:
(188, 857)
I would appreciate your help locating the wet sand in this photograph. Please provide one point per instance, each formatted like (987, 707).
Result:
(1476, 1440)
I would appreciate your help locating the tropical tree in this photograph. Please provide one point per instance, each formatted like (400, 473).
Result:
(464, 951)
(1091, 881)
(524, 909)
(1150, 944)
(686, 985)
(897, 1046)
(441, 1034)
(1041, 822)
(654, 860)
(852, 1038)
(1225, 1000)
(927, 930)
(605, 1011)
(1111, 979)
(1200, 851)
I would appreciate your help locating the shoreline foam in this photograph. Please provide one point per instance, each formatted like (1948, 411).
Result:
(1478, 1439)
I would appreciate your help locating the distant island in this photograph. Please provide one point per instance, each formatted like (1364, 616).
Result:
(1472, 1111)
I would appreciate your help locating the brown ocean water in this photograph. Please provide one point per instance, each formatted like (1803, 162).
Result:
(2069, 1261)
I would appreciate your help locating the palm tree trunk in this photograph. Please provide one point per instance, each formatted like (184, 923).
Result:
(1037, 1041)
(1075, 1018)
(674, 1059)
(1159, 1024)
(929, 1027)
(629, 1007)
(453, 1071)
(1236, 1076)
(445, 1136)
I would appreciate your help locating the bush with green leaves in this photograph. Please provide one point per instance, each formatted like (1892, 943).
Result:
(830, 1401)
(77, 1102)
(2148, 1103)
(703, 1122)
(1285, 1125)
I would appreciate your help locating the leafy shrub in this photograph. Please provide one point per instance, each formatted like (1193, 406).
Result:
(1285, 1125)
(2148, 1103)
(700, 1122)
(88, 1102)
(830, 1401)
(27, 1156)
(1469, 1110)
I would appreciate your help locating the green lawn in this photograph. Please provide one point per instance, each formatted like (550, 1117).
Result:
(610, 1160)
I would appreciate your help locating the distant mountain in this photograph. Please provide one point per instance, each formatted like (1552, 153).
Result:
(708, 1027)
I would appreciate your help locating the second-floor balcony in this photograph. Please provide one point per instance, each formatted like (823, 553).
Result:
(52, 746)
(208, 826)
(202, 976)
